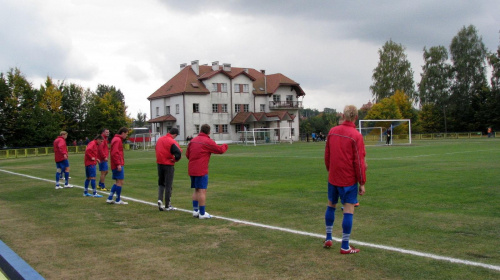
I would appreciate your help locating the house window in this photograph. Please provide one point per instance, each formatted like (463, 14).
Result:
(242, 127)
(241, 108)
(220, 128)
(196, 107)
(262, 107)
(224, 128)
(293, 131)
(196, 128)
(157, 111)
(177, 108)
(217, 128)
(219, 87)
(245, 108)
(219, 108)
(237, 108)
(241, 88)
(277, 98)
(167, 110)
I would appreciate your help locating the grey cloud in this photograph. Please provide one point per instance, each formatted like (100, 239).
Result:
(27, 45)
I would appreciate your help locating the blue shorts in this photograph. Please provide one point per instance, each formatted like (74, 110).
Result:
(346, 194)
(118, 175)
(199, 182)
(90, 171)
(103, 166)
(62, 164)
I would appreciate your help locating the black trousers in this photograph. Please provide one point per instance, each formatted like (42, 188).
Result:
(165, 180)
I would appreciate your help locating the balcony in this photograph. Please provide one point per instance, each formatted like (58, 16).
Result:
(286, 105)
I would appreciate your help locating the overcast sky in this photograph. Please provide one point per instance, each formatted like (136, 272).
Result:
(329, 47)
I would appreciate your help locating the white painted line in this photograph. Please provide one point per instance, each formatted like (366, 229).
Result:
(322, 236)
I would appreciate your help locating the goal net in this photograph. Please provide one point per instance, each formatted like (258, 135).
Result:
(386, 132)
(145, 141)
(260, 136)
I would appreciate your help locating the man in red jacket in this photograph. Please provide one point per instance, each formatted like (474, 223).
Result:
(90, 160)
(61, 159)
(346, 166)
(168, 152)
(117, 163)
(102, 155)
(198, 153)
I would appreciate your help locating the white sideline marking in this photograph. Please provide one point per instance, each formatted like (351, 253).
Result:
(322, 236)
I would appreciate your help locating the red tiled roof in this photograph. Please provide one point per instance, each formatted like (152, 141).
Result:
(161, 119)
(243, 117)
(186, 81)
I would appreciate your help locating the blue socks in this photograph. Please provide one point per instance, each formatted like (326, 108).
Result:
(195, 205)
(118, 192)
(346, 230)
(329, 219)
(66, 178)
(58, 175)
(112, 192)
(202, 210)
(86, 190)
(92, 183)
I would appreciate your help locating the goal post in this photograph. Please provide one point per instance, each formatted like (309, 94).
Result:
(260, 136)
(399, 131)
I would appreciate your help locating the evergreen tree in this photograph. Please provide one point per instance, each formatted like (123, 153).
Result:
(393, 73)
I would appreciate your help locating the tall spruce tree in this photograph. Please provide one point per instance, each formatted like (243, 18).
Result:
(393, 73)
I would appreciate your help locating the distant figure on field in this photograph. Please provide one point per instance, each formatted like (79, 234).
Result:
(198, 153)
(168, 152)
(90, 161)
(117, 166)
(102, 155)
(389, 135)
(61, 159)
(346, 166)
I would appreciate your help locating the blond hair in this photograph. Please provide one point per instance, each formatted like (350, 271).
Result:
(62, 133)
(350, 113)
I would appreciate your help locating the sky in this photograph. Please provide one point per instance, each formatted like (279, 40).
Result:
(329, 47)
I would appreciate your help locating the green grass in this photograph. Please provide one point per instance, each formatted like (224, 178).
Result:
(437, 197)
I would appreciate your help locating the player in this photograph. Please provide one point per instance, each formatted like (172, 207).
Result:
(389, 135)
(346, 166)
(198, 153)
(90, 160)
(61, 159)
(168, 152)
(117, 163)
(102, 155)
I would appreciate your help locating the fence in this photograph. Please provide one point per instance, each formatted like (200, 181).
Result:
(43, 151)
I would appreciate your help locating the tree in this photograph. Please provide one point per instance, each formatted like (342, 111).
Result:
(469, 85)
(494, 61)
(434, 87)
(392, 73)
(140, 121)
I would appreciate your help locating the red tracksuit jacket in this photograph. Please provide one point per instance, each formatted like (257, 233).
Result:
(345, 156)
(117, 152)
(60, 149)
(198, 153)
(91, 153)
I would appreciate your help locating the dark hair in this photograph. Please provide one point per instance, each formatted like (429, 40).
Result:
(104, 129)
(205, 129)
(174, 130)
(99, 137)
(122, 130)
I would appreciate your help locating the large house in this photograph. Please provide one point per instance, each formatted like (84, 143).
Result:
(230, 100)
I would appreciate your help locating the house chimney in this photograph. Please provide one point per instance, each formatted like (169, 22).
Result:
(215, 65)
(196, 67)
(183, 65)
(227, 67)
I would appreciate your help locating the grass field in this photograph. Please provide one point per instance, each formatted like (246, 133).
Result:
(434, 197)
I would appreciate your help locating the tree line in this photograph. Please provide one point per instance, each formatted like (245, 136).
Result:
(34, 116)
(453, 95)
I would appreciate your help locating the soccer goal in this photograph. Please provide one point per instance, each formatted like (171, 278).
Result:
(398, 130)
(145, 141)
(260, 136)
